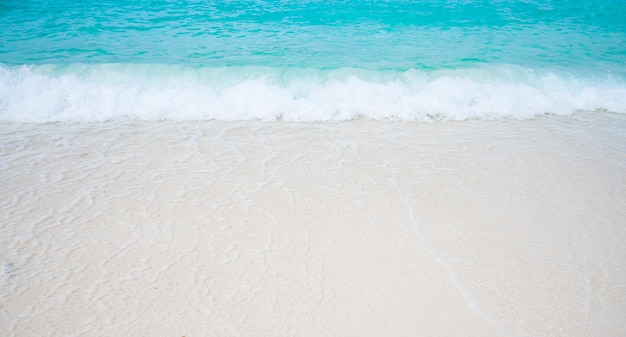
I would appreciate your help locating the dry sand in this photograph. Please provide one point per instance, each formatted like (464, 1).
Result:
(362, 228)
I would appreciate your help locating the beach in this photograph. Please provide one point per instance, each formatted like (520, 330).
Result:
(313, 168)
(352, 228)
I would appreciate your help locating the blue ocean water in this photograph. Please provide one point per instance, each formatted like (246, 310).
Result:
(310, 60)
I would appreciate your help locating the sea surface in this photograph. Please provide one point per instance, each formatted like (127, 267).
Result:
(310, 60)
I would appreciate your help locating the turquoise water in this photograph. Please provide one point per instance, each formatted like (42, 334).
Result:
(310, 60)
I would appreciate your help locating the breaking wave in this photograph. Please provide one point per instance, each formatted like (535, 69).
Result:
(84, 92)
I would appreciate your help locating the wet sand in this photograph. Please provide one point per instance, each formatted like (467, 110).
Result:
(362, 228)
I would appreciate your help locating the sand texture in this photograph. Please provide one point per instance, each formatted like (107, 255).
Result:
(362, 228)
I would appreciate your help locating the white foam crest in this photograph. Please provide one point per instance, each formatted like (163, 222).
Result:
(152, 92)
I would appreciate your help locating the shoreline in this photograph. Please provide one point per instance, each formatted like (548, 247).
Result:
(482, 228)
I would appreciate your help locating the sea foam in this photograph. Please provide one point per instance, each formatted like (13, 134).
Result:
(83, 92)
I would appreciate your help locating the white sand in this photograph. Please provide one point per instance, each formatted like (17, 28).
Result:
(475, 228)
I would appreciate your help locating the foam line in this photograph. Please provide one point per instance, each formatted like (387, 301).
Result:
(81, 92)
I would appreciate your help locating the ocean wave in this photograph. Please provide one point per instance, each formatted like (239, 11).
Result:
(83, 92)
